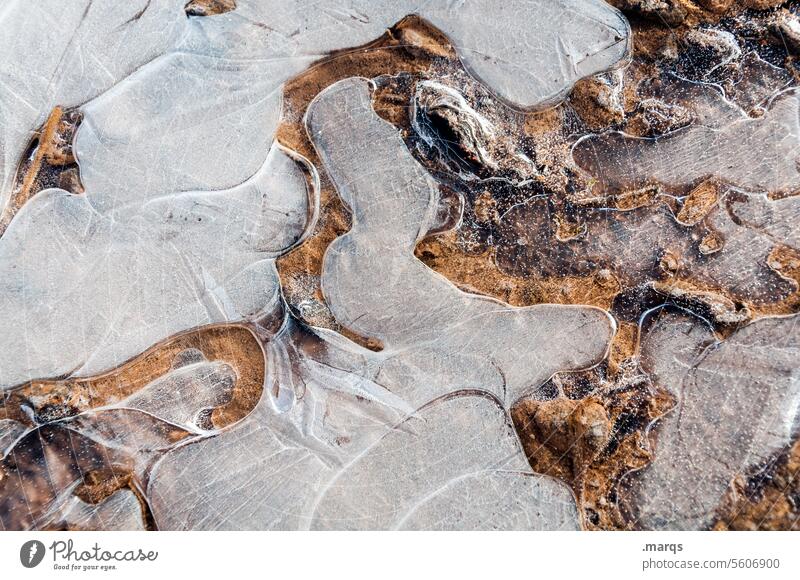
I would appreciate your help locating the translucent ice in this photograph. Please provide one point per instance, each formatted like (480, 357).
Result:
(758, 155)
(178, 224)
(349, 438)
(376, 287)
(129, 278)
(738, 403)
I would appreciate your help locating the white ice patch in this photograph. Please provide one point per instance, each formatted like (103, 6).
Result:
(737, 404)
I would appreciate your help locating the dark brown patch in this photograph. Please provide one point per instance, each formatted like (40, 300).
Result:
(48, 162)
(209, 7)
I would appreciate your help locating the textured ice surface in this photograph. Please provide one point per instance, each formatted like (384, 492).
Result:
(633, 243)
(85, 47)
(123, 439)
(773, 219)
(57, 458)
(738, 402)
(746, 161)
(455, 465)
(121, 511)
(10, 431)
(349, 453)
(230, 69)
(179, 396)
(178, 225)
(720, 145)
(189, 200)
(187, 203)
(530, 52)
(375, 286)
(389, 439)
(751, 227)
(125, 279)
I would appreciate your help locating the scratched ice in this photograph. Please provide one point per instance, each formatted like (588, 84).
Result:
(720, 144)
(124, 439)
(390, 439)
(175, 107)
(738, 401)
(180, 224)
(190, 200)
(755, 161)
(89, 290)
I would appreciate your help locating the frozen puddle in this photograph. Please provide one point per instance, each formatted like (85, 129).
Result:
(188, 199)
(434, 428)
(737, 404)
(175, 187)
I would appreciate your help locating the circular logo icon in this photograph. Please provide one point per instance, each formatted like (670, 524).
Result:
(31, 553)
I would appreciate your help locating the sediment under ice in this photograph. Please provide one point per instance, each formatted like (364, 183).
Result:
(720, 146)
(189, 201)
(193, 104)
(438, 393)
(124, 437)
(737, 404)
(717, 149)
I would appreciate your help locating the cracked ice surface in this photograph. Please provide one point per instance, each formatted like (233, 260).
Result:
(737, 403)
(84, 48)
(121, 272)
(719, 145)
(189, 201)
(88, 290)
(375, 285)
(754, 159)
(121, 511)
(231, 68)
(127, 435)
(339, 459)
(408, 432)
